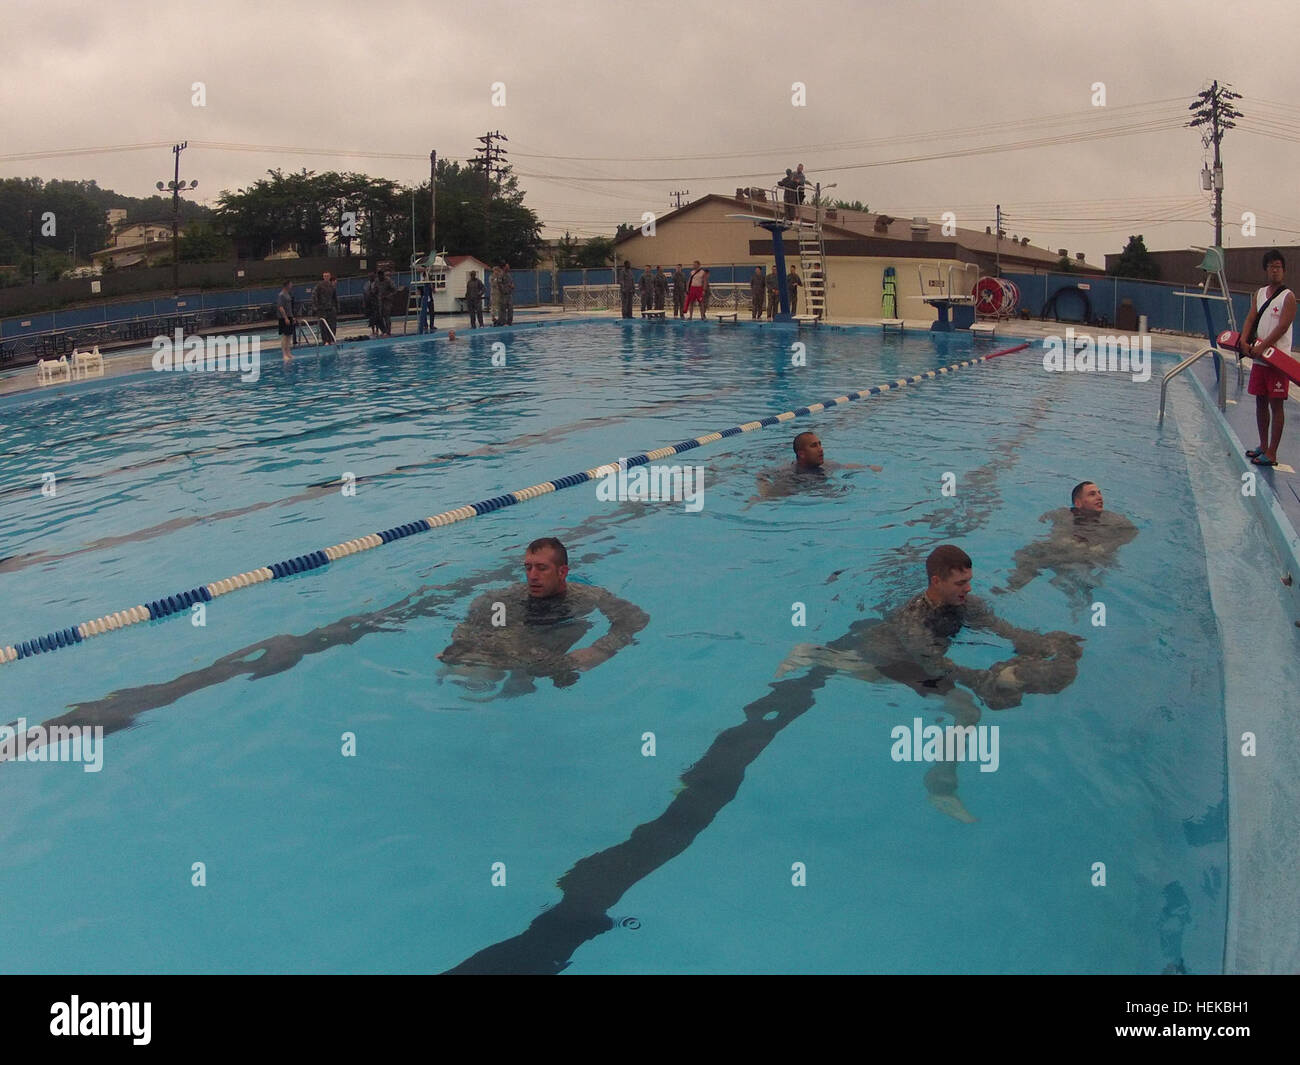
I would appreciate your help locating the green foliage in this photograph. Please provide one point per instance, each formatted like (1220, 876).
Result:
(851, 205)
(201, 243)
(566, 252)
(1065, 265)
(494, 229)
(1135, 261)
(597, 252)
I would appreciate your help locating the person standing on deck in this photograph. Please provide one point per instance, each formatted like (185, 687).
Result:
(646, 288)
(507, 295)
(284, 319)
(474, 300)
(325, 302)
(1272, 313)
(679, 290)
(661, 289)
(695, 290)
(384, 289)
(757, 290)
(801, 182)
(370, 302)
(773, 295)
(793, 283)
(626, 287)
(495, 294)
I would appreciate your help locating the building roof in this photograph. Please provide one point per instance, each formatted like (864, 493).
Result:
(859, 225)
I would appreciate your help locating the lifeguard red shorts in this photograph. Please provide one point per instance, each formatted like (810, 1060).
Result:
(693, 295)
(1266, 381)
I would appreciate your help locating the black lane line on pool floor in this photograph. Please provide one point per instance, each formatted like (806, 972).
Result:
(594, 884)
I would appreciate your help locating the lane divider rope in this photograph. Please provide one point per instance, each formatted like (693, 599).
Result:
(205, 593)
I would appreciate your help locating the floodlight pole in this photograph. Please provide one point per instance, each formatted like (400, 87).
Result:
(176, 208)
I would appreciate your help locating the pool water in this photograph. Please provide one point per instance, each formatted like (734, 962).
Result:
(796, 843)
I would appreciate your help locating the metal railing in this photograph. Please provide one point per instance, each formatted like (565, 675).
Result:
(1223, 378)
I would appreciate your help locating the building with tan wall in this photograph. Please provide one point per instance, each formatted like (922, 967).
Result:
(859, 246)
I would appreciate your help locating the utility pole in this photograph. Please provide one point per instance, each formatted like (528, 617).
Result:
(490, 158)
(677, 194)
(1214, 112)
(997, 242)
(433, 204)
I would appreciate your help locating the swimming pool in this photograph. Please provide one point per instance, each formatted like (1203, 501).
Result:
(447, 831)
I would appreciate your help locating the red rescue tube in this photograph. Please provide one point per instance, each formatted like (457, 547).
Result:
(1281, 361)
(1008, 351)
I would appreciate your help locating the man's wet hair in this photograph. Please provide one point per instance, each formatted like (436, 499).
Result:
(1077, 491)
(549, 541)
(801, 436)
(946, 559)
(1273, 255)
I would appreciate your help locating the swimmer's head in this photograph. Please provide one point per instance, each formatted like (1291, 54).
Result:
(546, 565)
(949, 571)
(1086, 497)
(451, 334)
(808, 451)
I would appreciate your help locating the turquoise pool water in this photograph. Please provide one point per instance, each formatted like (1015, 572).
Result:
(224, 741)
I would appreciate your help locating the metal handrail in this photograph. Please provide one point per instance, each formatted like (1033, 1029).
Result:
(1223, 380)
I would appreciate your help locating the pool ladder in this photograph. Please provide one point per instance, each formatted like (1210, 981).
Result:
(1223, 378)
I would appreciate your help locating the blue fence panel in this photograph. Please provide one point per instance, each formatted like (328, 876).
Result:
(32, 323)
(1160, 302)
(525, 287)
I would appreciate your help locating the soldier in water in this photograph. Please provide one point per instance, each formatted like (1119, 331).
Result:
(1084, 536)
(910, 647)
(809, 470)
(529, 630)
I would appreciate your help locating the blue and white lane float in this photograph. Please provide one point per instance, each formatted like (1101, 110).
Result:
(205, 593)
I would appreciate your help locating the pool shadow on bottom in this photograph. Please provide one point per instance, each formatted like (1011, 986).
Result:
(597, 882)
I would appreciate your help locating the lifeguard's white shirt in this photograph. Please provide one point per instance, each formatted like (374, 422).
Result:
(1268, 321)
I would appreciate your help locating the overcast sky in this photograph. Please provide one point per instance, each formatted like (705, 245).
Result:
(697, 96)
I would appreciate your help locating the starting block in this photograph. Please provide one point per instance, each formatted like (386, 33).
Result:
(886, 324)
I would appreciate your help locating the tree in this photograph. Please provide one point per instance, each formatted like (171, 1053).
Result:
(851, 205)
(1135, 261)
(201, 243)
(474, 218)
(596, 253)
(566, 252)
(1064, 265)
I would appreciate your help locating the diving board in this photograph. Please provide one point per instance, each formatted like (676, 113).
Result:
(886, 324)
